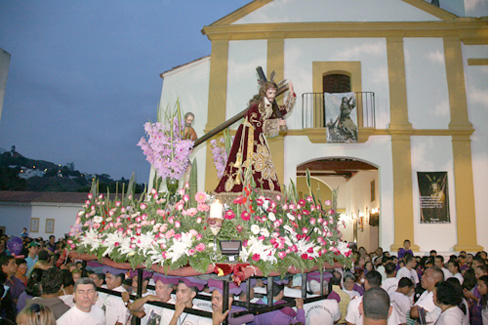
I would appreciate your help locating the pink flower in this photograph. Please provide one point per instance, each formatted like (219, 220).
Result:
(259, 202)
(185, 198)
(229, 214)
(192, 252)
(301, 202)
(90, 196)
(261, 238)
(312, 221)
(118, 203)
(310, 250)
(143, 206)
(239, 228)
(191, 212)
(178, 236)
(177, 224)
(245, 216)
(200, 197)
(304, 256)
(256, 257)
(240, 200)
(181, 192)
(199, 220)
(200, 247)
(203, 208)
(305, 212)
(304, 230)
(164, 254)
(169, 234)
(309, 199)
(328, 202)
(282, 254)
(331, 212)
(199, 236)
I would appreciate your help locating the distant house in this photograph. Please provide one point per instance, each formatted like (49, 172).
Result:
(42, 213)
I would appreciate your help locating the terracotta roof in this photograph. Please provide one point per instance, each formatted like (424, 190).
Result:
(43, 197)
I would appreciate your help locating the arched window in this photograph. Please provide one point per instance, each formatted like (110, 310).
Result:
(336, 83)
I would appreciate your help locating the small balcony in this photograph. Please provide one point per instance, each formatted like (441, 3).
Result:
(315, 120)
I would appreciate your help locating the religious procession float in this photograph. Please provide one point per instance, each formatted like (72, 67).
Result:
(174, 230)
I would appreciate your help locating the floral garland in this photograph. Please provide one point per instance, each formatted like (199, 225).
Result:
(151, 230)
(165, 147)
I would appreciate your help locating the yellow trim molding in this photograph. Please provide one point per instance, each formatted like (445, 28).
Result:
(218, 79)
(400, 130)
(463, 168)
(322, 68)
(469, 30)
(477, 62)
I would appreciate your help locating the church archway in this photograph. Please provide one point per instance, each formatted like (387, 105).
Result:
(358, 199)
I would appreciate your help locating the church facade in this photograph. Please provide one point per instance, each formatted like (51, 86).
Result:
(419, 74)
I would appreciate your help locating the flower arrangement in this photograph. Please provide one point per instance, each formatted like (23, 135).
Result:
(220, 150)
(151, 230)
(165, 147)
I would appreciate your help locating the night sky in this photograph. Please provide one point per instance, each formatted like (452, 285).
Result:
(84, 75)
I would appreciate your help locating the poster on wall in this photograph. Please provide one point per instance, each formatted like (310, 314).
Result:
(341, 117)
(434, 202)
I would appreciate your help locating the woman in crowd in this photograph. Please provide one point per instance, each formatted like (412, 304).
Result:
(483, 290)
(448, 299)
(36, 314)
(348, 287)
(33, 288)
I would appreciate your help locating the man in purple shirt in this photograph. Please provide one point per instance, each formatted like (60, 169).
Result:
(284, 316)
(9, 267)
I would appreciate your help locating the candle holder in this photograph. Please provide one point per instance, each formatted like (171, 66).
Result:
(215, 222)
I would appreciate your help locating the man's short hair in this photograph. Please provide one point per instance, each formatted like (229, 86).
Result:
(336, 278)
(43, 255)
(52, 280)
(404, 282)
(408, 257)
(448, 294)
(101, 276)
(438, 273)
(433, 252)
(85, 280)
(277, 288)
(4, 260)
(376, 304)
(373, 278)
(440, 258)
(390, 268)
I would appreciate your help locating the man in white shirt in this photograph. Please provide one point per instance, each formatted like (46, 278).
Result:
(354, 316)
(186, 291)
(390, 284)
(115, 309)
(84, 312)
(431, 277)
(323, 312)
(375, 307)
(151, 314)
(409, 269)
(439, 262)
(400, 299)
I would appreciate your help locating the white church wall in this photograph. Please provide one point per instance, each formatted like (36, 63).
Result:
(476, 78)
(359, 202)
(282, 11)
(64, 215)
(376, 151)
(243, 59)
(427, 92)
(433, 154)
(190, 84)
(300, 53)
(333, 182)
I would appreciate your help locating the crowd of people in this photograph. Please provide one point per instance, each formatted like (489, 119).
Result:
(43, 287)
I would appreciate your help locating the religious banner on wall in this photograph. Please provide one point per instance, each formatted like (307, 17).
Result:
(434, 202)
(341, 117)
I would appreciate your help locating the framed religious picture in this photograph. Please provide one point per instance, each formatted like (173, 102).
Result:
(373, 190)
(50, 225)
(34, 224)
(434, 202)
